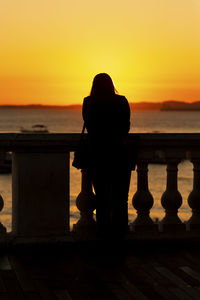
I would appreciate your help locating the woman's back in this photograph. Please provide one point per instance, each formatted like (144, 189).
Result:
(107, 117)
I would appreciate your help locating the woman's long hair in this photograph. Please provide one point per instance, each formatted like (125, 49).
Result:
(102, 85)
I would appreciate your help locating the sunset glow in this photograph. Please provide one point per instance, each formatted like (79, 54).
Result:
(51, 50)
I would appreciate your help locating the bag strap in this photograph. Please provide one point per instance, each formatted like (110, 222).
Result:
(86, 115)
(83, 129)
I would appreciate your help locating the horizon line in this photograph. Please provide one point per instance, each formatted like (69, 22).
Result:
(137, 106)
(80, 104)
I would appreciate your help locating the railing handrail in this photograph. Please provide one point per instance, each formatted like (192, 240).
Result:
(69, 141)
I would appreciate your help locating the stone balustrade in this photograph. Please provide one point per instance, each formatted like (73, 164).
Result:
(41, 183)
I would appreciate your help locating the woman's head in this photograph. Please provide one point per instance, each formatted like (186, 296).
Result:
(102, 85)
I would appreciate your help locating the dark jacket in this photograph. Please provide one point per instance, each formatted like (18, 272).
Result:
(107, 118)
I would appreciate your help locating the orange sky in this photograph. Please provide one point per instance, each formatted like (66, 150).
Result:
(51, 50)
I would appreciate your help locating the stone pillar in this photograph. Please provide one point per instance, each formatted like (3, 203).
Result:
(40, 187)
(86, 204)
(171, 199)
(142, 200)
(194, 198)
(2, 228)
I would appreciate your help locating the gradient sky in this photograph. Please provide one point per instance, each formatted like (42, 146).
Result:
(51, 50)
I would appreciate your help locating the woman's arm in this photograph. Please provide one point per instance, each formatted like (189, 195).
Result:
(127, 115)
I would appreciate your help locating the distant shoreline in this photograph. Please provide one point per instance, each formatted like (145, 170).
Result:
(41, 106)
(171, 105)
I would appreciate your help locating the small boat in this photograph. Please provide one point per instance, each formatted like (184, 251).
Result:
(38, 128)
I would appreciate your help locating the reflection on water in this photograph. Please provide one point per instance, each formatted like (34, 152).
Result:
(71, 121)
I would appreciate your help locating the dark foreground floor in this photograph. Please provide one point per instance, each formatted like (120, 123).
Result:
(144, 273)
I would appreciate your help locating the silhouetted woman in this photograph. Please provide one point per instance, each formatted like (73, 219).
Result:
(107, 118)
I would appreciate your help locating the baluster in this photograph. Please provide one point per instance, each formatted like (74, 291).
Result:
(171, 199)
(2, 228)
(142, 200)
(86, 204)
(194, 198)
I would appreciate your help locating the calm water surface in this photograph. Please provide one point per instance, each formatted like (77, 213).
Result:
(71, 122)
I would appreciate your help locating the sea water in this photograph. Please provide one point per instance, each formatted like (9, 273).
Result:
(65, 121)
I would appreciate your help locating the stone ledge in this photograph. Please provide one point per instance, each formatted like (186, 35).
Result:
(72, 242)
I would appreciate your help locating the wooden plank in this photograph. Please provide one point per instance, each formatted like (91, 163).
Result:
(14, 290)
(62, 295)
(174, 262)
(119, 292)
(168, 274)
(159, 283)
(65, 278)
(32, 296)
(91, 280)
(4, 263)
(180, 294)
(156, 286)
(25, 282)
(112, 277)
(134, 291)
(86, 290)
(2, 286)
(191, 272)
(8, 274)
(43, 291)
(186, 277)
(178, 281)
(193, 259)
(163, 283)
(165, 293)
(145, 283)
(4, 296)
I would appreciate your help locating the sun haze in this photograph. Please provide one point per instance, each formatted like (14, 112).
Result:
(51, 50)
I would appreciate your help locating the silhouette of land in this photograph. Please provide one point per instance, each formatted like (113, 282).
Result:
(163, 106)
(40, 106)
(166, 105)
(176, 105)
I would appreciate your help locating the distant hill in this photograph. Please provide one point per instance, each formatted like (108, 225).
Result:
(166, 105)
(40, 106)
(177, 105)
(133, 106)
(163, 106)
(146, 105)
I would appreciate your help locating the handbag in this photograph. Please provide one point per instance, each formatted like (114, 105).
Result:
(132, 152)
(81, 154)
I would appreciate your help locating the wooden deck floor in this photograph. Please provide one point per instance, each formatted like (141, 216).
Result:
(61, 274)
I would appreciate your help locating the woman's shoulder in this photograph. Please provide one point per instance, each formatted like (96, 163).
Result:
(86, 99)
(117, 97)
(121, 98)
